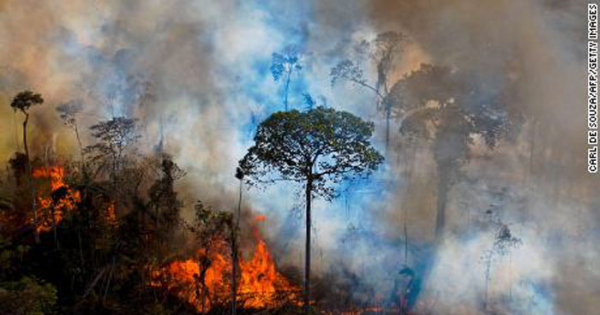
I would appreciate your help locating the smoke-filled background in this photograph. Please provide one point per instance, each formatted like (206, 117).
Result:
(197, 76)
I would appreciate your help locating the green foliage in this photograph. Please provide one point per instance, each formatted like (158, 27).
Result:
(322, 145)
(27, 296)
(10, 257)
(209, 223)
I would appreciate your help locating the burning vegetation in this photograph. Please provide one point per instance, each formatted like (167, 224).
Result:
(204, 280)
(407, 170)
(118, 241)
(115, 219)
(57, 201)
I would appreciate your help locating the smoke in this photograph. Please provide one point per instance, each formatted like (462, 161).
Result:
(196, 75)
(538, 183)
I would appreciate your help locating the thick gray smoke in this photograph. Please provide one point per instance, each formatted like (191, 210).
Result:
(196, 74)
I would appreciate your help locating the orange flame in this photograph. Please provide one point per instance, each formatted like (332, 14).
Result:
(67, 203)
(260, 284)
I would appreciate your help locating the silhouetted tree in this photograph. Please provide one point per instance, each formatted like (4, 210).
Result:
(68, 112)
(504, 243)
(317, 148)
(22, 102)
(435, 104)
(438, 105)
(163, 198)
(210, 228)
(239, 174)
(114, 137)
(18, 164)
(282, 67)
(385, 49)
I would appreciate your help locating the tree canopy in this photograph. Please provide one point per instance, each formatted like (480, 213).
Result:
(322, 145)
(24, 100)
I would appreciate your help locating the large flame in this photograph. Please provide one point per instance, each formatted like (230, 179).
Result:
(57, 205)
(205, 280)
(261, 285)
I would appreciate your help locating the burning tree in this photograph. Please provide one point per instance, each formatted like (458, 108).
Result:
(317, 148)
(211, 228)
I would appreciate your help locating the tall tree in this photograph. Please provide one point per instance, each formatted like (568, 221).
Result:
(385, 49)
(282, 67)
(164, 201)
(239, 174)
(317, 148)
(436, 104)
(68, 113)
(22, 102)
(114, 137)
(443, 107)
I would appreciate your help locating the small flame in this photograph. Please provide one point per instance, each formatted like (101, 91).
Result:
(260, 217)
(111, 214)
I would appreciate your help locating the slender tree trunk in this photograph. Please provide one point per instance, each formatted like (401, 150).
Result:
(53, 213)
(234, 253)
(287, 88)
(388, 116)
(233, 272)
(29, 179)
(405, 239)
(79, 143)
(443, 187)
(440, 221)
(80, 246)
(442, 199)
(307, 255)
(510, 277)
(488, 270)
(531, 149)
(411, 156)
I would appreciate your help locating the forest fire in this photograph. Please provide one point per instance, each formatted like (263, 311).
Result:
(261, 284)
(206, 281)
(298, 158)
(55, 202)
